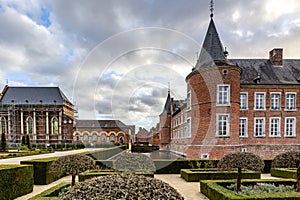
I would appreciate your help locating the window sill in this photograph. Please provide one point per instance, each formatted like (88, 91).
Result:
(225, 105)
(290, 110)
(246, 136)
(290, 136)
(274, 136)
(260, 136)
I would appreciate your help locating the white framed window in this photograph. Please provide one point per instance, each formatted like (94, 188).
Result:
(188, 100)
(223, 95)
(244, 149)
(259, 127)
(189, 131)
(275, 99)
(290, 101)
(223, 125)
(94, 137)
(290, 127)
(274, 127)
(260, 101)
(243, 127)
(244, 101)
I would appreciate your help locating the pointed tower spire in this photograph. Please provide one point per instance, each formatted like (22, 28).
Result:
(167, 107)
(212, 52)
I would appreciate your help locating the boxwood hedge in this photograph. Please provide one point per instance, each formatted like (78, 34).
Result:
(16, 181)
(284, 172)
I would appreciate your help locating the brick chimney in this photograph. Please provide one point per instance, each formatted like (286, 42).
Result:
(275, 56)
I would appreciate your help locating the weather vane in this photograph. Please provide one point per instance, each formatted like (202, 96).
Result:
(211, 8)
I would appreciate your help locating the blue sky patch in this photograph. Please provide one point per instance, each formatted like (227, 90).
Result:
(45, 17)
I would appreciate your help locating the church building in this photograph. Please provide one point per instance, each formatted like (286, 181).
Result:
(234, 105)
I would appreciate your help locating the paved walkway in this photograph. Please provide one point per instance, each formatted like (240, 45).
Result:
(48, 155)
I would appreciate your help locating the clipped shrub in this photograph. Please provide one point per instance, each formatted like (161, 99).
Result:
(16, 181)
(289, 159)
(41, 170)
(241, 160)
(133, 162)
(107, 153)
(72, 164)
(122, 186)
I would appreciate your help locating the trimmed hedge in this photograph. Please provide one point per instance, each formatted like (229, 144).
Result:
(216, 190)
(284, 172)
(16, 181)
(95, 173)
(51, 193)
(107, 153)
(195, 175)
(41, 170)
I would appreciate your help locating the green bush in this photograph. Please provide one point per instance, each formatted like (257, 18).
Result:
(284, 172)
(194, 175)
(41, 170)
(16, 181)
(52, 193)
(216, 190)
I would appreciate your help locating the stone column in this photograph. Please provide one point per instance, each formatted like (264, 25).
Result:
(47, 126)
(59, 125)
(22, 123)
(34, 126)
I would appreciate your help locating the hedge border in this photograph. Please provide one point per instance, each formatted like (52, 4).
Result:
(16, 181)
(214, 190)
(195, 175)
(284, 172)
(45, 195)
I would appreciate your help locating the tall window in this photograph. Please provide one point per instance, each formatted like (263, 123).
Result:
(222, 125)
(243, 127)
(54, 125)
(274, 127)
(275, 101)
(85, 138)
(3, 125)
(259, 127)
(244, 101)
(260, 101)
(112, 138)
(188, 100)
(290, 101)
(103, 138)
(290, 127)
(223, 95)
(94, 137)
(188, 129)
(29, 124)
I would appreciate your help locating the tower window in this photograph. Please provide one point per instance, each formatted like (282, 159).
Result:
(225, 71)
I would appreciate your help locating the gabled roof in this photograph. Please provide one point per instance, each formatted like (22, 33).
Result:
(212, 52)
(289, 73)
(33, 95)
(100, 124)
(167, 107)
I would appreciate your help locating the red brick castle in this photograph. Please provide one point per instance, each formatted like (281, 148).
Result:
(234, 105)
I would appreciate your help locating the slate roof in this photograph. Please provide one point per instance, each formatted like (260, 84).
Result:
(33, 95)
(212, 49)
(167, 107)
(100, 124)
(289, 73)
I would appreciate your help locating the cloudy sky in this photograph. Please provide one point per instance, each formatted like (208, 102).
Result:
(114, 58)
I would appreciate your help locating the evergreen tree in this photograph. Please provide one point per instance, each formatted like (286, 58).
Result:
(28, 141)
(3, 143)
(23, 140)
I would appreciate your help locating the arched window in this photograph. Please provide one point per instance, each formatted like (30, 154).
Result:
(103, 138)
(54, 125)
(86, 138)
(29, 125)
(3, 125)
(94, 137)
(77, 137)
(121, 140)
(112, 138)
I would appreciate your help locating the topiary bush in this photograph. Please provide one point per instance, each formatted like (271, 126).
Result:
(241, 160)
(72, 164)
(289, 159)
(122, 186)
(134, 162)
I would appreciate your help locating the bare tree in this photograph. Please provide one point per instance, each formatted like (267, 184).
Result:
(289, 159)
(72, 164)
(241, 160)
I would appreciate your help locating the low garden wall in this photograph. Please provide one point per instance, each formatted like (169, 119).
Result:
(195, 175)
(216, 190)
(284, 172)
(15, 181)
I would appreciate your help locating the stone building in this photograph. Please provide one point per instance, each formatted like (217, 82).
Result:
(234, 105)
(91, 132)
(45, 113)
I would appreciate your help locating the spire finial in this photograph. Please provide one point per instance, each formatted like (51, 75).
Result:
(211, 9)
(168, 87)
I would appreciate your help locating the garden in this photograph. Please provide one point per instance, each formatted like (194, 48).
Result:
(131, 176)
